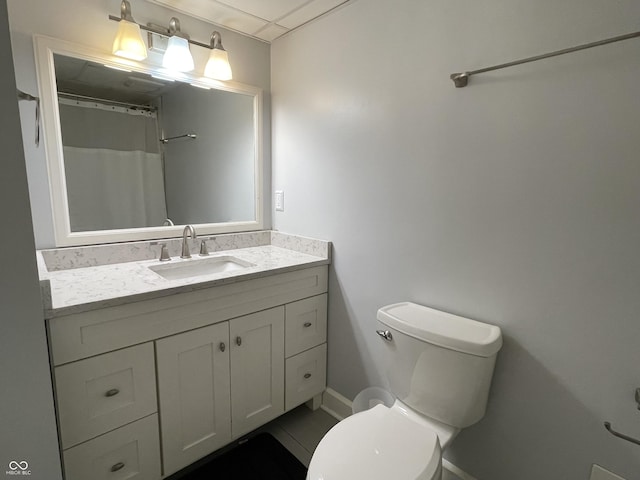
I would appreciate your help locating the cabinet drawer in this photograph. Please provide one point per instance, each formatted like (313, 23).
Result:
(305, 324)
(131, 452)
(101, 393)
(305, 375)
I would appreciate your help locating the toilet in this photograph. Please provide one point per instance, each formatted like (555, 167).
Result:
(439, 367)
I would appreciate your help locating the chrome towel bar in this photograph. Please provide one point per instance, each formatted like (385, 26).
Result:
(461, 79)
(607, 425)
(192, 136)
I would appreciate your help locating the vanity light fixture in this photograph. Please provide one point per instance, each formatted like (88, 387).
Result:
(218, 66)
(128, 42)
(177, 56)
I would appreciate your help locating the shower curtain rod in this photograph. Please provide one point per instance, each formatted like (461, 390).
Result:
(107, 102)
(461, 79)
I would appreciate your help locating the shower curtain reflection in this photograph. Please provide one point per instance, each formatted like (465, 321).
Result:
(113, 166)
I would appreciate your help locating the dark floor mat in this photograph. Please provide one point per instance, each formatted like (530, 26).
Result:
(261, 457)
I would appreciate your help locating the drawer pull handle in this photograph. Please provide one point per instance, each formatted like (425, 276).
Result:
(117, 466)
(112, 393)
(307, 324)
(307, 375)
(238, 341)
(223, 347)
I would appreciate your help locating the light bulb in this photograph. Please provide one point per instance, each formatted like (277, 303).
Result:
(178, 56)
(128, 42)
(218, 66)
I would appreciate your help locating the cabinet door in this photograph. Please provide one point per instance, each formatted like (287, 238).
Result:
(257, 369)
(193, 390)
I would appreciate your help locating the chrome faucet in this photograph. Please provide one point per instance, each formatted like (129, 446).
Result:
(188, 230)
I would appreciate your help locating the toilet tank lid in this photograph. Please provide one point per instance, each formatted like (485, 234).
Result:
(442, 329)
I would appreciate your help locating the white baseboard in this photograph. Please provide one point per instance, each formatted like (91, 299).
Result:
(336, 405)
(339, 407)
(462, 475)
(599, 473)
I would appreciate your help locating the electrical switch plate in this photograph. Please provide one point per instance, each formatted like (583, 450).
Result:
(279, 201)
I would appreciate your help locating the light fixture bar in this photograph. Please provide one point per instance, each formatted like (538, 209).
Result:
(165, 32)
(461, 79)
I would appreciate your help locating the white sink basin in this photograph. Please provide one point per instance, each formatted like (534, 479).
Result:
(197, 267)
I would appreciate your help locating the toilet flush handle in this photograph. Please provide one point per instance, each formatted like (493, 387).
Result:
(386, 334)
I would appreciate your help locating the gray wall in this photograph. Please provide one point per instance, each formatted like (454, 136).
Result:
(86, 22)
(514, 201)
(210, 179)
(27, 422)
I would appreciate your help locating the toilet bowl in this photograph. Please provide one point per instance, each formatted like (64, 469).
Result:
(439, 367)
(382, 443)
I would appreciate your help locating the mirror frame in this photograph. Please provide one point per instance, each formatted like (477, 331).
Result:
(45, 48)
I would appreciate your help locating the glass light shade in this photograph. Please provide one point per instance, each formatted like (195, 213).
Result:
(178, 56)
(218, 66)
(128, 42)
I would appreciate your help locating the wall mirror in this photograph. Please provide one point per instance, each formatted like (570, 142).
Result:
(135, 153)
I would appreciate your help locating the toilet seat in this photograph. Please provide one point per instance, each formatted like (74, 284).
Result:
(378, 444)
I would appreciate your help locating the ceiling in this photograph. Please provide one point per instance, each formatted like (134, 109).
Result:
(81, 77)
(262, 19)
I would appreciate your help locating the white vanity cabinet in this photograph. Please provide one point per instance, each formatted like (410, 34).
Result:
(185, 374)
(217, 383)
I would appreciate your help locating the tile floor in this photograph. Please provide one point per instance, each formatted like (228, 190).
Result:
(300, 430)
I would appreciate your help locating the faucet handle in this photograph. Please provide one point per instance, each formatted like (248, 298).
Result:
(164, 251)
(203, 248)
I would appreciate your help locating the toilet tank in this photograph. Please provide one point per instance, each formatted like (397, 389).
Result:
(437, 363)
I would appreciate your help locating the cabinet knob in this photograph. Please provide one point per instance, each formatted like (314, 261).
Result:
(238, 341)
(307, 375)
(307, 324)
(112, 393)
(223, 347)
(117, 466)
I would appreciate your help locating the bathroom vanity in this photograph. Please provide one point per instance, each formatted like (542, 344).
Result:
(157, 363)
(152, 372)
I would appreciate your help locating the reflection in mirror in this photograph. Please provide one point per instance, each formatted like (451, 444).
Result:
(139, 150)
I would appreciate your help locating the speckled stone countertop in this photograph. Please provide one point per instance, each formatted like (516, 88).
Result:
(87, 284)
